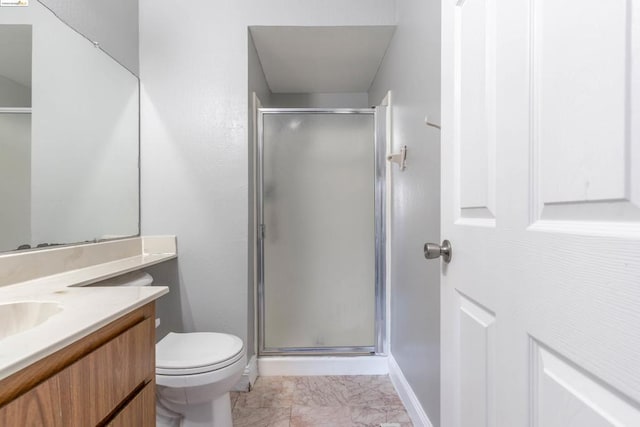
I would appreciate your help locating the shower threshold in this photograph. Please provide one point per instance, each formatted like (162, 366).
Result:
(326, 364)
(319, 351)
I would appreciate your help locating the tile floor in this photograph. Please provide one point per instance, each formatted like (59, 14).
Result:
(339, 401)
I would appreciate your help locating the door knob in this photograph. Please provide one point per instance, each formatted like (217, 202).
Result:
(434, 250)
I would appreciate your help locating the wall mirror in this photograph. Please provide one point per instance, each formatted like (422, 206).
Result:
(69, 129)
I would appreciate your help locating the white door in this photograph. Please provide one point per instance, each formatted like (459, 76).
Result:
(541, 202)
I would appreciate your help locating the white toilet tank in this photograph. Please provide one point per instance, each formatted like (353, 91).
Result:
(135, 278)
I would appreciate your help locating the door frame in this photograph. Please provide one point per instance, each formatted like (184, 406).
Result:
(380, 321)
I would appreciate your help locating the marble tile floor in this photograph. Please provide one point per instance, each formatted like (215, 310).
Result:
(334, 401)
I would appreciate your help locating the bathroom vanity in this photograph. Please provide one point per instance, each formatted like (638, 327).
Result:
(105, 378)
(71, 354)
(74, 352)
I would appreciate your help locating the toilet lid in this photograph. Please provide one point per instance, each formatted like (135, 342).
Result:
(196, 352)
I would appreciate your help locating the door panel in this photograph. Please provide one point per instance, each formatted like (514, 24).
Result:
(477, 359)
(564, 395)
(582, 139)
(540, 319)
(475, 108)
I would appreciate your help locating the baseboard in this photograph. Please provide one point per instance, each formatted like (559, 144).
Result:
(249, 376)
(405, 392)
(322, 365)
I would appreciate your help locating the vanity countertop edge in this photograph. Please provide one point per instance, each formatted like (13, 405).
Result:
(84, 309)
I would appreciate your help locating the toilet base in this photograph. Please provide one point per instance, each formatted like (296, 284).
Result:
(216, 413)
(212, 414)
(166, 417)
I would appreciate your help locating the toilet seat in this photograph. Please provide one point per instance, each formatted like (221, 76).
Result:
(196, 352)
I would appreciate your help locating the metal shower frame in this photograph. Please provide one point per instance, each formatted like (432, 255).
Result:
(379, 115)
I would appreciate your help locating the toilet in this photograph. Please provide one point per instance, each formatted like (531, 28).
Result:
(194, 372)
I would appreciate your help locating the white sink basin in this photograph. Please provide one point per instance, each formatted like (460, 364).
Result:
(16, 317)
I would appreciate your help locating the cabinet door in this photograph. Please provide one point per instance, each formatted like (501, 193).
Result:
(140, 412)
(39, 407)
(98, 383)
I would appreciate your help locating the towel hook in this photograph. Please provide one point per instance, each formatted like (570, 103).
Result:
(399, 158)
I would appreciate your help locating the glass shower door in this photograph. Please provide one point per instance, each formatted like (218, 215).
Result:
(318, 251)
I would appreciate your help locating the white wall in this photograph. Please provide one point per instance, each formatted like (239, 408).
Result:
(15, 180)
(257, 80)
(84, 135)
(194, 71)
(84, 153)
(15, 141)
(113, 24)
(320, 100)
(13, 94)
(15, 66)
(257, 84)
(411, 70)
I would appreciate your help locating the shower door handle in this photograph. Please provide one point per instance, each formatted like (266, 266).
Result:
(434, 250)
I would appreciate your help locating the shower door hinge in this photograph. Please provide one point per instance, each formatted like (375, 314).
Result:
(261, 229)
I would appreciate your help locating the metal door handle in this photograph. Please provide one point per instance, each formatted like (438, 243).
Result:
(434, 250)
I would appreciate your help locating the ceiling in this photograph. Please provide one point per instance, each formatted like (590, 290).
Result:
(15, 51)
(321, 59)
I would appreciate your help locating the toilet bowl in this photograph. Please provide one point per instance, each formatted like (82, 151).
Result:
(194, 374)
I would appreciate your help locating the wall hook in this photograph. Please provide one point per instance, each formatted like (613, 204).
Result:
(399, 158)
(432, 124)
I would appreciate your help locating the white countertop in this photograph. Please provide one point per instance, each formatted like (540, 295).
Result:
(84, 309)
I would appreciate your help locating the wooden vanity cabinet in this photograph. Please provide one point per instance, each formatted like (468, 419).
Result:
(106, 378)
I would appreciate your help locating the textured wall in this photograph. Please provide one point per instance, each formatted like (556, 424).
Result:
(195, 175)
(411, 70)
(113, 24)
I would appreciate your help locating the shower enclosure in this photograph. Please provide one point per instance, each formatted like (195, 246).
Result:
(321, 231)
